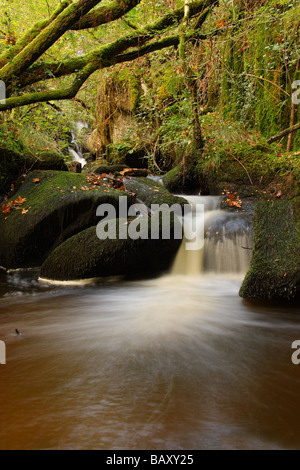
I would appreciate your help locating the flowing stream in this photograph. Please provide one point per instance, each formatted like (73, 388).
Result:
(175, 362)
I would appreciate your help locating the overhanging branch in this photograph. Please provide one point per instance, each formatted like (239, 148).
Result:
(127, 48)
(47, 37)
(136, 39)
(105, 14)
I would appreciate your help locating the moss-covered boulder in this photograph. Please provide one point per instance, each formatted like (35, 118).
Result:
(251, 170)
(187, 179)
(275, 266)
(114, 169)
(49, 160)
(172, 180)
(49, 207)
(86, 256)
(151, 192)
(14, 163)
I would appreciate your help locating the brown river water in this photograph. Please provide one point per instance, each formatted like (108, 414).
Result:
(175, 362)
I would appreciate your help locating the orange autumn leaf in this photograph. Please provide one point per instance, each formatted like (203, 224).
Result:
(24, 211)
(36, 180)
(20, 200)
(5, 210)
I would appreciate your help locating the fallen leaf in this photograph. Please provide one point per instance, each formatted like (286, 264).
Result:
(6, 210)
(20, 200)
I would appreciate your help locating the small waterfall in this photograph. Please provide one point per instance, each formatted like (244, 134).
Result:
(77, 157)
(75, 149)
(81, 125)
(227, 245)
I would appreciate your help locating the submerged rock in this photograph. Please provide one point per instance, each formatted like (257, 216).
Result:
(51, 207)
(275, 265)
(86, 256)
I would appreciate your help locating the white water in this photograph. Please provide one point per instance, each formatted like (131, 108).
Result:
(76, 152)
(227, 246)
(77, 157)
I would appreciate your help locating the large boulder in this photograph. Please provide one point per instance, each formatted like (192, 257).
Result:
(275, 265)
(49, 207)
(106, 168)
(15, 163)
(86, 256)
(189, 179)
(151, 192)
(49, 160)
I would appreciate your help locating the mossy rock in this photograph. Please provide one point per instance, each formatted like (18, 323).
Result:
(86, 256)
(151, 192)
(13, 164)
(275, 265)
(114, 169)
(243, 165)
(189, 180)
(172, 180)
(50, 161)
(55, 208)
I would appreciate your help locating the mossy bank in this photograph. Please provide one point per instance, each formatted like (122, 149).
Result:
(275, 266)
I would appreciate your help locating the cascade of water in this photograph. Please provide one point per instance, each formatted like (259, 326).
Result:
(77, 157)
(74, 149)
(227, 244)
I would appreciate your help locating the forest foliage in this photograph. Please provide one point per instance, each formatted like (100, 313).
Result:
(242, 62)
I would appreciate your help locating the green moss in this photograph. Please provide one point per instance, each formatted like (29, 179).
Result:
(275, 266)
(260, 166)
(58, 205)
(258, 68)
(296, 208)
(14, 163)
(172, 179)
(115, 169)
(151, 192)
(135, 92)
(50, 161)
(86, 256)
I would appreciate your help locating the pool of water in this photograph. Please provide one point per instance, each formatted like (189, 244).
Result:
(176, 362)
